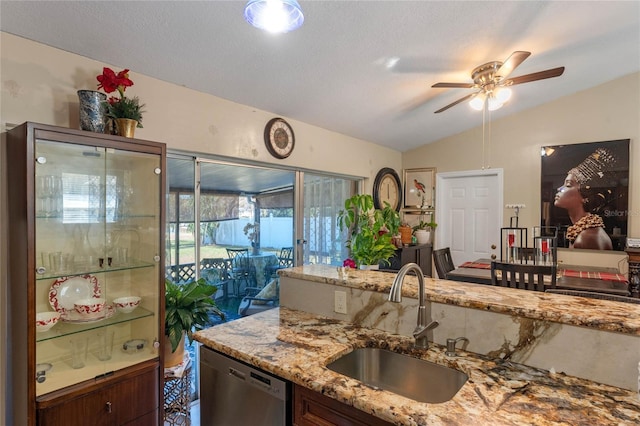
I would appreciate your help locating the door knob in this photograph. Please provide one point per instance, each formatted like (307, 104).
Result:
(493, 246)
(493, 257)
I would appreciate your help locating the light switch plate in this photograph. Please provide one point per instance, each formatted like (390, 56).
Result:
(340, 302)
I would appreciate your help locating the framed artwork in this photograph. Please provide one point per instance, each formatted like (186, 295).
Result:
(419, 188)
(585, 194)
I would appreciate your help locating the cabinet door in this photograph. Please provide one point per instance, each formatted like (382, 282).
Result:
(97, 236)
(90, 409)
(131, 399)
(313, 409)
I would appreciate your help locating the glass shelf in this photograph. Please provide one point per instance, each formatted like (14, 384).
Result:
(62, 328)
(95, 270)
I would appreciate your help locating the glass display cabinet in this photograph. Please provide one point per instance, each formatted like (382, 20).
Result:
(86, 280)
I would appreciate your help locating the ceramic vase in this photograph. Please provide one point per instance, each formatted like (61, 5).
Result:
(171, 359)
(126, 127)
(92, 110)
(423, 236)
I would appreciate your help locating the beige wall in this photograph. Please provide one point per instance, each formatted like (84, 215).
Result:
(607, 112)
(39, 83)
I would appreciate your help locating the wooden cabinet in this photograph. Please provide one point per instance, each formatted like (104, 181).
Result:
(130, 398)
(313, 409)
(86, 215)
(419, 254)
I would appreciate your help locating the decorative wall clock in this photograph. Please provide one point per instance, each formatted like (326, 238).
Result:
(387, 188)
(279, 138)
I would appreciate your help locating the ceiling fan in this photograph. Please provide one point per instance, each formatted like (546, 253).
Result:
(493, 83)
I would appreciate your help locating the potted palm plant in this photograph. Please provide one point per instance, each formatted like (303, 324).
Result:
(371, 230)
(188, 308)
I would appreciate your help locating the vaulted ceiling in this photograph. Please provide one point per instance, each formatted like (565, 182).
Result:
(360, 68)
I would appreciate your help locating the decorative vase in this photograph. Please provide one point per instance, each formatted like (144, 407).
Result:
(405, 234)
(171, 359)
(369, 267)
(423, 236)
(92, 110)
(126, 127)
(255, 248)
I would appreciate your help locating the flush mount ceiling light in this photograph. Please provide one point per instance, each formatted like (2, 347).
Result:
(274, 16)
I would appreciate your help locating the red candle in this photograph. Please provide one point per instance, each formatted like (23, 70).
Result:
(512, 239)
(545, 247)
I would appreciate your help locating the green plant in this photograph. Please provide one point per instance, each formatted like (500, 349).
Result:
(425, 225)
(125, 108)
(122, 107)
(370, 230)
(187, 308)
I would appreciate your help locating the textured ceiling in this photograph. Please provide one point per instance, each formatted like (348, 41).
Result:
(333, 72)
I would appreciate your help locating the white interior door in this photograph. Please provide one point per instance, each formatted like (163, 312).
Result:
(469, 213)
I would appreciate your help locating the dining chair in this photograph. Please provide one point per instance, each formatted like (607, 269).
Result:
(285, 260)
(241, 269)
(443, 261)
(594, 295)
(523, 276)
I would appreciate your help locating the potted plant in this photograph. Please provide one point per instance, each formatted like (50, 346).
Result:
(187, 308)
(423, 230)
(371, 230)
(124, 108)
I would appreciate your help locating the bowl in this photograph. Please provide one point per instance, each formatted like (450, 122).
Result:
(46, 320)
(126, 304)
(89, 307)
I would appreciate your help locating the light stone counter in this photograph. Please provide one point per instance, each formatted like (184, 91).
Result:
(297, 346)
(515, 337)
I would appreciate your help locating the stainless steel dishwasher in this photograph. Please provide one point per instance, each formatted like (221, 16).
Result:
(235, 394)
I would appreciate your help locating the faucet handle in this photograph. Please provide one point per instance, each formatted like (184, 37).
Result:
(451, 345)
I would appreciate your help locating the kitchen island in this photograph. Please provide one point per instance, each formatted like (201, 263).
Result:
(297, 346)
(298, 340)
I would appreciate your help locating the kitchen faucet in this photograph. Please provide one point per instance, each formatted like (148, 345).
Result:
(395, 295)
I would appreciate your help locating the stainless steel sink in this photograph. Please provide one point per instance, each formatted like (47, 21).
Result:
(411, 377)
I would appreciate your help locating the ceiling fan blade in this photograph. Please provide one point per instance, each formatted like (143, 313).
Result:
(469, 96)
(512, 63)
(454, 85)
(540, 75)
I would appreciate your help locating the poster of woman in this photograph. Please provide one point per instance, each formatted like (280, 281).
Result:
(585, 193)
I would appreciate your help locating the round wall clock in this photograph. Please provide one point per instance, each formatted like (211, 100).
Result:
(279, 138)
(387, 188)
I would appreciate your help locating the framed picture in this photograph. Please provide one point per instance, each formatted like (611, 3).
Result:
(585, 194)
(419, 188)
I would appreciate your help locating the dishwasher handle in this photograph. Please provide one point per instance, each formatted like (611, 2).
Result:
(237, 374)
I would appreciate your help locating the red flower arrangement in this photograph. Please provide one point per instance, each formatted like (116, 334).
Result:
(349, 263)
(122, 107)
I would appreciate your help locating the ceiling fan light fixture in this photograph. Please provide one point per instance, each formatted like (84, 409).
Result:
(493, 104)
(477, 102)
(503, 94)
(274, 16)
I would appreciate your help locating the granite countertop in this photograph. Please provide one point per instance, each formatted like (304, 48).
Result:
(597, 314)
(297, 346)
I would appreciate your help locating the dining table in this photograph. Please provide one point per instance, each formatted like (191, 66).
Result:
(570, 277)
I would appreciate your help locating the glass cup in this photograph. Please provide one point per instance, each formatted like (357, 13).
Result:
(78, 352)
(105, 345)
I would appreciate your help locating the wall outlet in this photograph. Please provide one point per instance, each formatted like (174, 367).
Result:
(340, 302)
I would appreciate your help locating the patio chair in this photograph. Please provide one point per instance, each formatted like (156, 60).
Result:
(259, 300)
(522, 276)
(242, 270)
(216, 271)
(443, 261)
(285, 260)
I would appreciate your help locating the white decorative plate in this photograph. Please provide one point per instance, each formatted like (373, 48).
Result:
(74, 317)
(65, 291)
